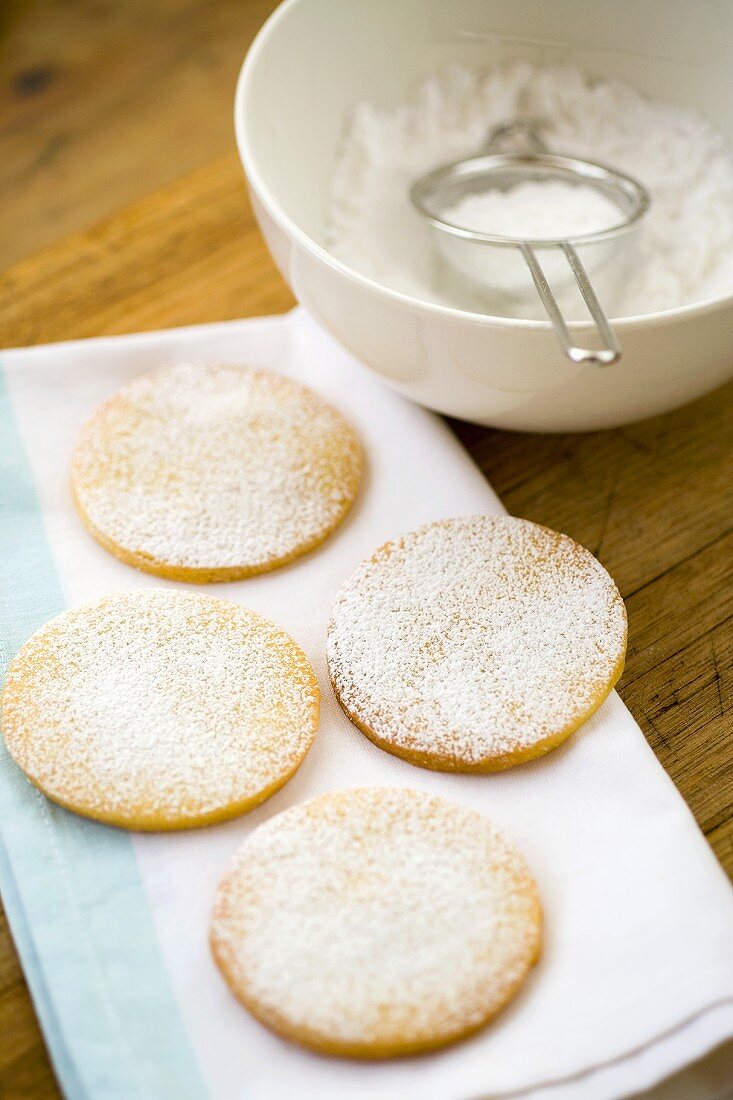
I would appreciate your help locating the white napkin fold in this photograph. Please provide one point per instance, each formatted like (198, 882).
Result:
(637, 974)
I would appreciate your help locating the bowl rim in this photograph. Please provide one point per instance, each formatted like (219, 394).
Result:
(451, 314)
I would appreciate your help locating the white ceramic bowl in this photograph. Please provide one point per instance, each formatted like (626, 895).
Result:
(315, 58)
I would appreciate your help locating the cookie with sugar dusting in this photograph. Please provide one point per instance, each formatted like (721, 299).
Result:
(159, 710)
(214, 472)
(376, 922)
(476, 643)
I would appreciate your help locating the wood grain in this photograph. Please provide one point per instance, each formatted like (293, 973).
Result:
(129, 212)
(103, 101)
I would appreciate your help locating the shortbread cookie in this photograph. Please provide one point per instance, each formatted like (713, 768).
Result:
(476, 643)
(159, 710)
(212, 472)
(376, 922)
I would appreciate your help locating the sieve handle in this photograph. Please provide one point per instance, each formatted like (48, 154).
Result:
(610, 351)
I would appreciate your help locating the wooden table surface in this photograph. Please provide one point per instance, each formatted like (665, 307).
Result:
(124, 208)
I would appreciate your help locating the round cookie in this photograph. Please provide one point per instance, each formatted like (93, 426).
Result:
(159, 710)
(213, 472)
(376, 922)
(477, 643)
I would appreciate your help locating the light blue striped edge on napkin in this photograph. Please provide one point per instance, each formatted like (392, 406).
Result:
(71, 888)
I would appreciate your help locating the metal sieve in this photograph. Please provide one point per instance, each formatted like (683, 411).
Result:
(497, 261)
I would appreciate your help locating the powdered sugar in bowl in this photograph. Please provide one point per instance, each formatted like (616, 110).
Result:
(501, 216)
(314, 62)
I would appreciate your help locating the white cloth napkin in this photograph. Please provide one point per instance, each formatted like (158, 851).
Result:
(637, 975)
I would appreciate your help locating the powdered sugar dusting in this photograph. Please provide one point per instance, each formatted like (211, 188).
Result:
(215, 468)
(158, 708)
(376, 921)
(474, 639)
